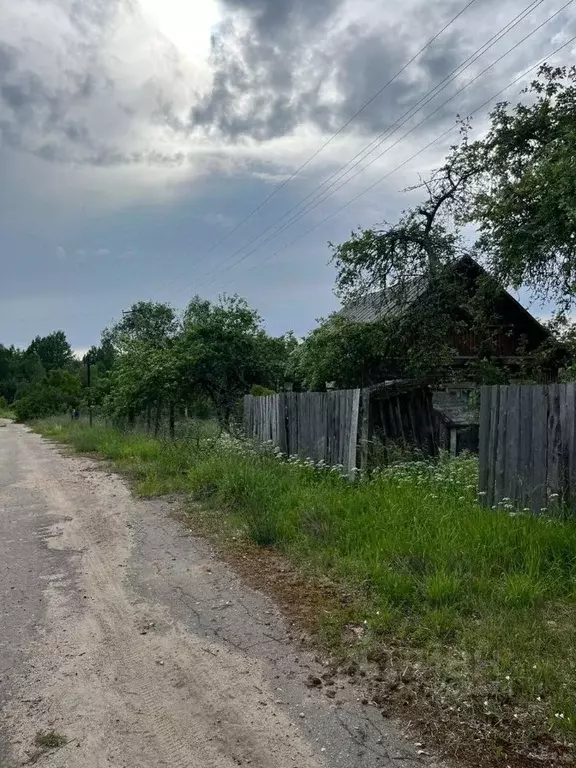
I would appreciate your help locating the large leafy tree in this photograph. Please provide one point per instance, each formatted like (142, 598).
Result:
(133, 361)
(524, 202)
(516, 187)
(341, 352)
(224, 350)
(146, 375)
(53, 350)
(146, 321)
(408, 268)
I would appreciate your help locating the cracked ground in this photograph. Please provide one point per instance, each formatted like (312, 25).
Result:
(126, 636)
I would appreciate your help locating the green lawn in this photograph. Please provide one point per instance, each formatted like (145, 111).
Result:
(476, 607)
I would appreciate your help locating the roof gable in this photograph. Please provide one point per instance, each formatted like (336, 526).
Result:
(396, 300)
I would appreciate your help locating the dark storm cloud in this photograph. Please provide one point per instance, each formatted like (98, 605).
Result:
(29, 107)
(264, 62)
(270, 78)
(263, 69)
(273, 16)
(277, 65)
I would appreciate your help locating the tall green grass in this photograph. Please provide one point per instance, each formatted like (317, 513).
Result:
(487, 598)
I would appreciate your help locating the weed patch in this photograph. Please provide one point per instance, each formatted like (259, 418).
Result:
(47, 740)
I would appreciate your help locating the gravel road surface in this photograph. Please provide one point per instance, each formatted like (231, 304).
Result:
(126, 635)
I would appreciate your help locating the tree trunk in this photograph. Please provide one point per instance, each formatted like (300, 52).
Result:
(149, 417)
(172, 422)
(158, 417)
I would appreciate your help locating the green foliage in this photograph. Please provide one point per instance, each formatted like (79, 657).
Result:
(203, 364)
(348, 354)
(5, 411)
(223, 351)
(257, 390)
(516, 187)
(18, 371)
(486, 372)
(53, 351)
(145, 374)
(59, 391)
(525, 203)
(146, 321)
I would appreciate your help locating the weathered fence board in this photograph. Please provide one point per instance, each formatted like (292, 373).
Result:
(341, 427)
(316, 425)
(528, 446)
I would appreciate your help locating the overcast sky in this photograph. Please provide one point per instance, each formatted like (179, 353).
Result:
(136, 135)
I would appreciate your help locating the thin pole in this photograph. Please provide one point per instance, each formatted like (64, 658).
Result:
(89, 377)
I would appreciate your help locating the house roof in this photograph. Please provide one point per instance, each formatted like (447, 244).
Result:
(388, 303)
(393, 301)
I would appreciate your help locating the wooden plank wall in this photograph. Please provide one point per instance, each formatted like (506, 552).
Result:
(528, 446)
(315, 425)
(338, 426)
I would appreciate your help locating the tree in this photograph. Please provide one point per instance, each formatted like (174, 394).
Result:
(145, 375)
(53, 350)
(10, 372)
(516, 187)
(147, 321)
(415, 257)
(223, 350)
(345, 353)
(524, 205)
(102, 357)
(129, 350)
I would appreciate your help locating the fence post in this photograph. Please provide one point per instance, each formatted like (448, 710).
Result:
(354, 423)
(365, 429)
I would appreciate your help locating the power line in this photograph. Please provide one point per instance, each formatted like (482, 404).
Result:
(398, 141)
(332, 137)
(443, 135)
(378, 140)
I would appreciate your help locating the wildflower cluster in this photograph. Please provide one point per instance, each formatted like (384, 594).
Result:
(455, 474)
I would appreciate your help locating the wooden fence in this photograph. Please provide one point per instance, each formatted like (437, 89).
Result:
(342, 426)
(528, 446)
(397, 415)
(318, 425)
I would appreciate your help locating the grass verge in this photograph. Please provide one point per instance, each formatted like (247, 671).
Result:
(466, 617)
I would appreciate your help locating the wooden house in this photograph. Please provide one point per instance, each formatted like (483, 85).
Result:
(511, 339)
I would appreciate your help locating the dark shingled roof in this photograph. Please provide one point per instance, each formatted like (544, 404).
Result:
(396, 299)
(390, 302)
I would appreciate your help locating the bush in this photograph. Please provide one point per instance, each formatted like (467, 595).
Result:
(260, 391)
(59, 391)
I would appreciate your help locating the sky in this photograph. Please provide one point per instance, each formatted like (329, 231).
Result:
(152, 149)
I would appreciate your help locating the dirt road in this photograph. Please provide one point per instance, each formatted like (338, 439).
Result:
(124, 634)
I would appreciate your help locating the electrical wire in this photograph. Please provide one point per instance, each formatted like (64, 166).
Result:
(328, 141)
(443, 135)
(343, 170)
(398, 141)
